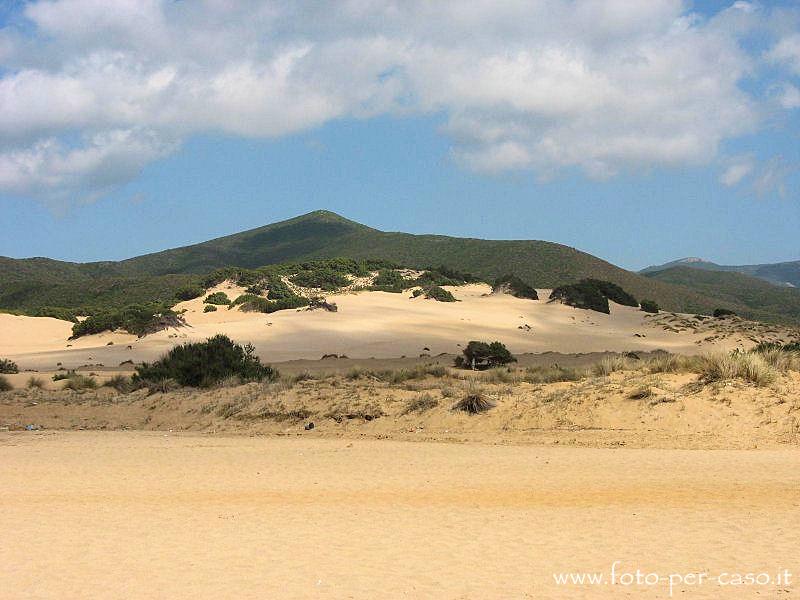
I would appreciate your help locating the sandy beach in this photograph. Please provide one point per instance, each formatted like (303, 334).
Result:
(160, 515)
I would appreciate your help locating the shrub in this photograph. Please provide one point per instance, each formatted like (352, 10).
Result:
(220, 298)
(439, 294)
(723, 312)
(511, 284)
(390, 280)
(35, 382)
(5, 384)
(204, 364)
(650, 306)
(61, 376)
(8, 367)
(63, 314)
(324, 278)
(209, 308)
(592, 294)
(78, 382)
(581, 295)
(480, 355)
(138, 319)
(442, 275)
(189, 293)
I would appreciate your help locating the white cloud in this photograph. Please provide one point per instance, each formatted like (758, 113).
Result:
(789, 96)
(787, 51)
(602, 85)
(771, 178)
(739, 168)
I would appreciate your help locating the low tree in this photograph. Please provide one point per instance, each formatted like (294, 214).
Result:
(482, 355)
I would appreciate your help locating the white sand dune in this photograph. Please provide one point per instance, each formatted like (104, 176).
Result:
(367, 324)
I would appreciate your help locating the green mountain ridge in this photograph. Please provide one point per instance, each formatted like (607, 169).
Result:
(784, 274)
(28, 284)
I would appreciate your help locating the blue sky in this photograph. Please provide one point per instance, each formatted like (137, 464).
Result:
(90, 184)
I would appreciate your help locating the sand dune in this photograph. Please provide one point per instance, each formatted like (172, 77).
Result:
(367, 324)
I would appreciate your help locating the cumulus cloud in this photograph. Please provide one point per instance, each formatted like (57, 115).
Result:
(600, 85)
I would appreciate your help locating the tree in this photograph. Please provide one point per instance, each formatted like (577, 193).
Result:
(480, 355)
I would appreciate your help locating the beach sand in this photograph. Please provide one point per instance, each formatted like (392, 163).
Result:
(160, 515)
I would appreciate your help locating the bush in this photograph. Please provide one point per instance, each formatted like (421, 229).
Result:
(204, 364)
(480, 355)
(189, 293)
(650, 306)
(592, 294)
(438, 294)
(5, 384)
(511, 284)
(8, 367)
(323, 278)
(420, 404)
(720, 313)
(209, 308)
(138, 319)
(63, 314)
(219, 298)
(581, 295)
(390, 280)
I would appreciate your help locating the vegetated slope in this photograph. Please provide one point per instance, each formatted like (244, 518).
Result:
(323, 234)
(758, 298)
(783, 274)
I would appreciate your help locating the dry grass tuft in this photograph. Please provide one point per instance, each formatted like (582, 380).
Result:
(35, 383)
(611, 364)
(5, 384)
(552, 374)
(642, 392)
(420, 404)
(749, 366)
(474, 402)
(80, 382)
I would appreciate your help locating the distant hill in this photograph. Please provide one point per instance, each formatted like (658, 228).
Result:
(761, 298)
(785, 274)
(32, 283)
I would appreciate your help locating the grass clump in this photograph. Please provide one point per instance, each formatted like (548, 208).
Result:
(77, 382)
(204, 364)
(8, 367)
(420, 404)
(552, 374)
(120, 383)
(35, 383)
(474, 402)
(611, 364)
(219, 298)
(749, 366)
(5, 384)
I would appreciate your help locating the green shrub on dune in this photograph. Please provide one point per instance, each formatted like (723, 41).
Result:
(219, 298)
(8, 367)
(204, 364)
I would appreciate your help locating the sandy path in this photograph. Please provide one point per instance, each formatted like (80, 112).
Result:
(142, 515)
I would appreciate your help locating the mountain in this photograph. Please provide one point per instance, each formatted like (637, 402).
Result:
(761, 298)
(785, 274)
(29, 284)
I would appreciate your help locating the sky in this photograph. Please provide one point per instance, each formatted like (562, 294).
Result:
(640, 132)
